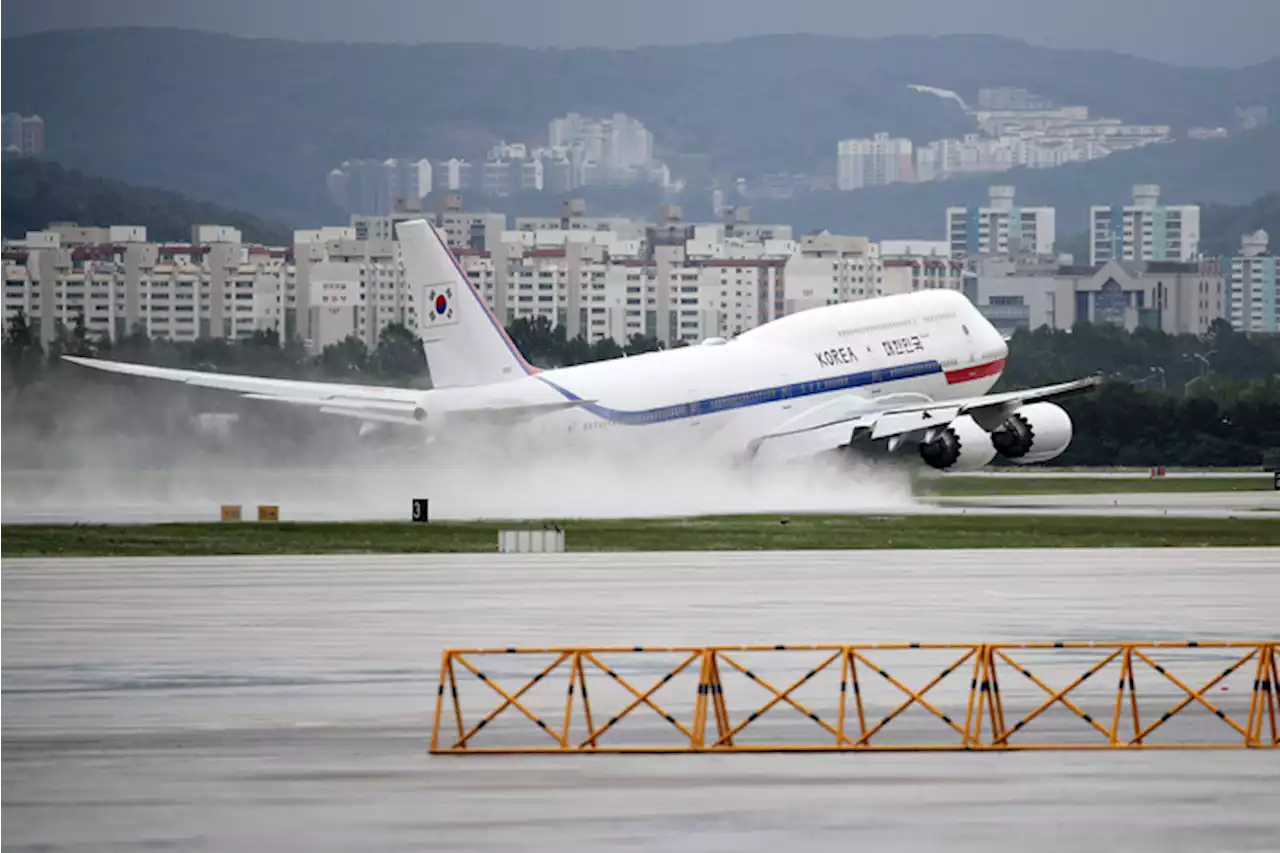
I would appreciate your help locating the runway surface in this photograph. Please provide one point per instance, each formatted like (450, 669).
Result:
(1133, 504)
(284, 703)
(1255, 504)
(1105, 474)
(464, 489)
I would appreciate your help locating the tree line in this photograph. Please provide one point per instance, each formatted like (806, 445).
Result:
(398, 356)
(1193, 400)
(1170, 400)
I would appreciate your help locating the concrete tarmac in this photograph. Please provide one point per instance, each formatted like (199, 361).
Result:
(284, 703)
(1133, 504)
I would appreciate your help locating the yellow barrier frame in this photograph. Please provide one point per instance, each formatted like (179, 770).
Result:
(985, 727)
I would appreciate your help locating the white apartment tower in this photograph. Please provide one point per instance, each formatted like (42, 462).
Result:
(873, 162)
(1001, 227)
(1254, 286)
(1145, 230)
(213, 286)
(616, 144)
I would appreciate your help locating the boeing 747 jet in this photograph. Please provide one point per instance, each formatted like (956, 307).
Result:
(912, 369)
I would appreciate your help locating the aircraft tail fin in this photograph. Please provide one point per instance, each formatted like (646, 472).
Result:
(464, 342)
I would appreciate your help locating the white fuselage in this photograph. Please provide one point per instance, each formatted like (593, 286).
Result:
(918, 347)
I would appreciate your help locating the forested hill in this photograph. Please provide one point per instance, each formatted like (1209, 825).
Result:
(37, 193)
(256, 124)
(1221, 225)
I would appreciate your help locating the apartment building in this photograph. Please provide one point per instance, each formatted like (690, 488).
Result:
(909, 274)
(1145, 230)
(374, 186)
(599, 285)
(828, 269)
(1011, 98)
(1018, 128)
(1254, 286)
(23, 135)
(617, 143)
(915, 249)
(573, 217)
(453, 175)
(213, 286)
(873, 162)
(1001, 227)
(676, 281)
(344, 286)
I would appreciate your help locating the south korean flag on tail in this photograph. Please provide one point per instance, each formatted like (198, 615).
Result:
(440, 308)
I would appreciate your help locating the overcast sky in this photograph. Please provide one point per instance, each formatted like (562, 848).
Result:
(1185, 32)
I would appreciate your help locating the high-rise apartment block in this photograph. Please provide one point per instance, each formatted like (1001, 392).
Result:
(213, 285)
(453, 175)
(873, 162)
(373, 187)
(1011, 98)
(23, 135)
(1145, 230)
(617, 143)
(1001, 227)
(1254, 285)
(595, 276)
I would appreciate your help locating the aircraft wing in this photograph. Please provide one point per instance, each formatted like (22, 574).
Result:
(367, 402)
(886, 419)
(989, 410)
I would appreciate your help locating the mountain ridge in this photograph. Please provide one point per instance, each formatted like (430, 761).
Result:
(902, 38)
(256, 124)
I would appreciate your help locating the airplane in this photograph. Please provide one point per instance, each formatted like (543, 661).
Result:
(910, 369)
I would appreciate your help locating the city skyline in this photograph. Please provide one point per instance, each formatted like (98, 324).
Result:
(1229, 33)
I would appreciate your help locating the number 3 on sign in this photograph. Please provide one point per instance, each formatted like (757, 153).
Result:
(420, 509)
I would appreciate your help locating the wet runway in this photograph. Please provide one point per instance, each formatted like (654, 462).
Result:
(284, 703)
(1252, 504)
(548, 489)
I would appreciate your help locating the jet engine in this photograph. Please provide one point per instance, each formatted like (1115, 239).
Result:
(1034, 433)
(960, 446)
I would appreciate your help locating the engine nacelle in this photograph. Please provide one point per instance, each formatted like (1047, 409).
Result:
(960, 446)
(1034, 433)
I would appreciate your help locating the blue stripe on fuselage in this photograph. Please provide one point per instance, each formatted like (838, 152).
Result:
(759, 397)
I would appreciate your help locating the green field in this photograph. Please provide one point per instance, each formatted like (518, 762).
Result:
(959, 485)
(729, 533)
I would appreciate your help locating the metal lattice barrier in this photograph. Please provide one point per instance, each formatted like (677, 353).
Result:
(944, 696)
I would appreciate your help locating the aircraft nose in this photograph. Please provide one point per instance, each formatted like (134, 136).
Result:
(992, 340)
